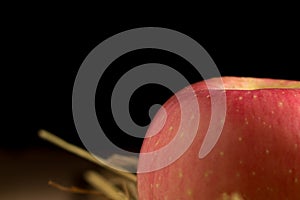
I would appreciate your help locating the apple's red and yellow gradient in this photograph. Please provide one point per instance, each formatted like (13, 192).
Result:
(257, 156)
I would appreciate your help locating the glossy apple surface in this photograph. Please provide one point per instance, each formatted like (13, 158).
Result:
(257, 156)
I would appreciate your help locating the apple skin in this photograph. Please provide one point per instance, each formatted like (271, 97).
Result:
(257, 156)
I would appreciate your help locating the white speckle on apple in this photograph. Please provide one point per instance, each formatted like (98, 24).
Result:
(280, 104)
(240, 98)
(192, 117)
(189, 192)
(253, 173)
(270, 189)
(222, 121)
(270, 126)
(254, 96)
(234, 196)
(267, 151)
(246, 121)
(259, 118)
(180, 174)
(207, 173)
(272, 112)
(181, 134)
(159, 177)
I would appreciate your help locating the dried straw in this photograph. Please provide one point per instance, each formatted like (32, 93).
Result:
(112, 183)
(82, 153)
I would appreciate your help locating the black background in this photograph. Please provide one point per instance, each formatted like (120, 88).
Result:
(43, 53)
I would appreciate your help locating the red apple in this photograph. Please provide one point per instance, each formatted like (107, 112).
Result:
(257, 156)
